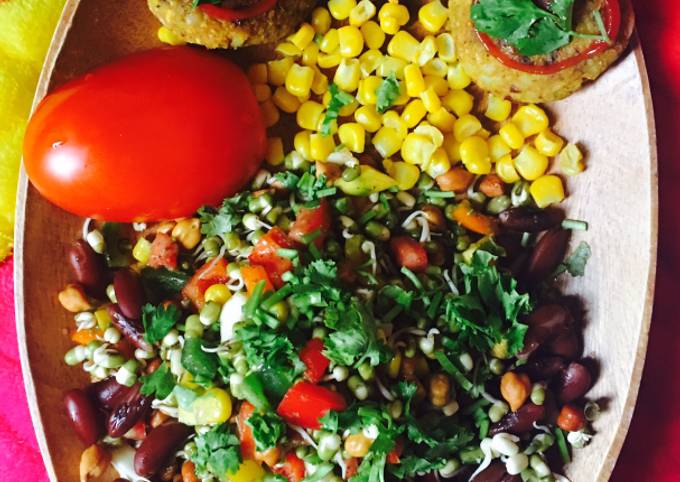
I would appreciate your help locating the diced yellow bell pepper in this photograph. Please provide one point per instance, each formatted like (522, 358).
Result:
(369, 181)
(406, 175)
(248, 471)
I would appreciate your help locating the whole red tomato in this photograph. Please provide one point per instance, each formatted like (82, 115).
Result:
(154, 135)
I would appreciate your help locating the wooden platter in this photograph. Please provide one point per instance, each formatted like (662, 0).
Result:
(617, 195)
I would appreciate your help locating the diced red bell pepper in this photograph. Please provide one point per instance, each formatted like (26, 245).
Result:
(309, 220)
(164, 252)
(394, 455)
(352, 465)
(293, 468)
(245, 433)
(305, 403)
(409, 253)
(265, 254)
(212, 272)
(252, 275)
(317, 363)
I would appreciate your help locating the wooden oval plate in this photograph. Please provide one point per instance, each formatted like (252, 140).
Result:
(617, 195)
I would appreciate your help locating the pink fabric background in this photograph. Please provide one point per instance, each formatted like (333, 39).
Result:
(652, 450)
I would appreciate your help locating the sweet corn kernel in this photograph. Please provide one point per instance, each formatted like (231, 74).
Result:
(262, 92)
(219, 293)
(548, 143)
(285, 101)
(452, 148)
(270, 113)
(431, 132)
(287, 49)
(511, 134)
(348, 110)
(442, 119)
(330, 41)
(439, 84)
(350, 40)
(367, 90)
(459, 101)
(446, 47)
(430, 100)
(483, 133)
(299, 80)
(406, 175)
(274, 155)
(309, 115)
(320, 147)
(301, 144)
(278, 70)
(466, 126)
(142, 250)
(437, 68)
(498, 147)
(321, 20)
(547, 190)
(505, 168)
(340, 9)
(369, 61)
(426, 50)
(530, 119)
(389, 25)
(404, 46)
(433, 16)
(369, 118)
(166, 36)
(497, 108)
(248, 471)
(328, 61)
(415, 84)
(347, 75)
(392, 119)
(374, 37)
(395, 11)
(530, 163)
(417, 149)
(320, 82)
(414, 113)
(387, 141)
(353, 136)
(390, 65)
(439, 163)
(474, 152)
(310, 55)
(457, 77)
(258, 74)
(303, 37)
(362, 12)
(571, 160)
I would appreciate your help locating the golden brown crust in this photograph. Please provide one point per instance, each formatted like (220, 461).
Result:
(491, 75)
(194, 26)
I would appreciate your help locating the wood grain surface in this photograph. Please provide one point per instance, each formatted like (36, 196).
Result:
(612, 119)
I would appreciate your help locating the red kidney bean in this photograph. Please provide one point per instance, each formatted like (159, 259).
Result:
(121, 480)
(573, 383)
(541, 369)
(567, 345)
(131, 329)
(511, 478)
(547, 255)
(529, 220)
(88, 267)
(83, 416)
(159, 446)
(129, 293)
(108, 393)
(545, 324)
(126, 414)
(493, 473)
(519, 421)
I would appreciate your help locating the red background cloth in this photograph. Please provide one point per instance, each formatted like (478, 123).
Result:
(652, 450)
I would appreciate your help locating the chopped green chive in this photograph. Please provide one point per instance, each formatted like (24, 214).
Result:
(575, 225)
(440, 194)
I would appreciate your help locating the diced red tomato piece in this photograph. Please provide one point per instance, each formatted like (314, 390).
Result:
(394, 455)
(265, 254)
(164, 252)
(352, 465)
(309, 220)
(212, 272)
(252, 275)
(317, 363)
(245, 433)
(305, 403)
(137, 432)
(409, 253)
(293, 468)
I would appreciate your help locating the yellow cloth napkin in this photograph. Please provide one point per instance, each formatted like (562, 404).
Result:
(26, 28)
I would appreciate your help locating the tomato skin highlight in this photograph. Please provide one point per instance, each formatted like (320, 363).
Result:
(409, 253)
(265, 254)
(151, 136)
(305, 403)
(309, 220)
(317, 363)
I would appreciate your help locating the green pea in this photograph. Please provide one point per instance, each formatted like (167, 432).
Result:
(477, 197)
(498, 411)
(377, 231)
(257, 204)
(232, 241)
(280, 310)
(193, 328)
(255, 236)
(366, 371)
(210, 313)
(520, 195)
(498, 204)
(211, 246)
(343, 205)
(496, 366)
(425, 182)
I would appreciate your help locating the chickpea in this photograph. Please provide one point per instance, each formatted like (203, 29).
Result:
(73, 299)
(188, 232)
(440, 389)
(357, 445)
(189, 472)
(515, 389)
(93, 461)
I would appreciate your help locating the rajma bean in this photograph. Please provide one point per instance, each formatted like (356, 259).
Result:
(83, 416)
(547, 255)
(108, 393)
(159, 446)
(520, 421)
(530, 220)
(129, 293)
(124, 416)
(87, 267)
(131, 329)
(546, 323)
(573, 383)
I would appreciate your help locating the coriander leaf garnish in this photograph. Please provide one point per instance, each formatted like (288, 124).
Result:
(576, 262)
(267, 429)
(217, 453)
(339, 99)
(217, 222)
(159, 383)
(158, 321)
(387, 92)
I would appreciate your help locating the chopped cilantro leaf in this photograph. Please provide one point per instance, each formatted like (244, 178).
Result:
(159, 383)
(218, 222)
(339, 99)
(387, 92)
(217, 453)
(158, 320)
(267, 429)
(576, 262)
